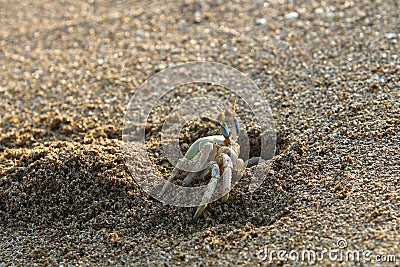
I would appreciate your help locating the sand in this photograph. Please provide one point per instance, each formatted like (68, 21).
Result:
(329, 70)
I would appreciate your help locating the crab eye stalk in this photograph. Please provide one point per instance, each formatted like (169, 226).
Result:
(236, 125)
(226, 134)
(225, 131)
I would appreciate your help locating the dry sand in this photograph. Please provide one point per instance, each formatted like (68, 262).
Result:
(330, 71)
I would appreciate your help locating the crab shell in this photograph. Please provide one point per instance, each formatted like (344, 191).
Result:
(220, 140)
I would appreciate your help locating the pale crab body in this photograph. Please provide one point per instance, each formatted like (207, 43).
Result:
(196, 147)
(214, 156)
(219, 140)
(216, 147)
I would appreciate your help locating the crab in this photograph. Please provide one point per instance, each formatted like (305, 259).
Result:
(216, 156)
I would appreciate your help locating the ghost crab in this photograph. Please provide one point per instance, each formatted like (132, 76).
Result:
(216, 156)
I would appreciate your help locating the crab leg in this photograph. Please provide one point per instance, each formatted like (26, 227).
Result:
(215, 175)
(195, 176)
(199, 161)
(211, 150)
(226, 176)
(177, 169)
(191, 166)
(253, 161)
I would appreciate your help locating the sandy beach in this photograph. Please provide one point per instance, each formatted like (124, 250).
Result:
(329, 70)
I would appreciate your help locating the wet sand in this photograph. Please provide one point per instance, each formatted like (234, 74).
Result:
(330, 72)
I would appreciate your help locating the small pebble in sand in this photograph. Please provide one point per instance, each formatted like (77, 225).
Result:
(260, 21)
(292, 15)
(390, 35)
